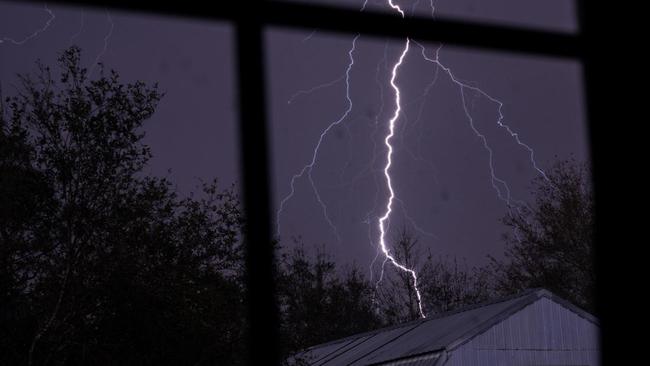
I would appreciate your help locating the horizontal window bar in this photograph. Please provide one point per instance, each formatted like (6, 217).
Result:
(340, 20)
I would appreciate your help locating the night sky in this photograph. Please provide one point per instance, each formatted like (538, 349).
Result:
(440, 168)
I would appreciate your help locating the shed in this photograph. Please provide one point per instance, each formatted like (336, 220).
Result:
(534, 327)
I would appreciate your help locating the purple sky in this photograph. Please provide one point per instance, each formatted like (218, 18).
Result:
(441, 168)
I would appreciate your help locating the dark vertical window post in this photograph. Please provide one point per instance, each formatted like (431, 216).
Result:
(263, 316)
(595, 72)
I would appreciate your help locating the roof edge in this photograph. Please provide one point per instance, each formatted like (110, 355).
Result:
(537, 293)
(437, 353)
(530, 295)
(542, 292)
(526, 300)
(422, 320)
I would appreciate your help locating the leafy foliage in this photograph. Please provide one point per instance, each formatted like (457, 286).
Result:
(551, 243)
(318, 304)
(99, 264)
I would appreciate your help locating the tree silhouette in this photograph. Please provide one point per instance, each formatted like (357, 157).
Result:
(444, 285)
(100, 264)
(551, 242)
(320, 303)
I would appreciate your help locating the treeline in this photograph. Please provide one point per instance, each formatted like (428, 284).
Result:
(103, 265)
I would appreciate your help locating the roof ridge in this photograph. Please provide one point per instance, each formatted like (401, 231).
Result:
(526, 292)
(524, 299)
(538, 291)
(570, 306)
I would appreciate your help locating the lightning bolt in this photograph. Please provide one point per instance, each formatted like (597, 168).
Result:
(372, 163)
(375, 124)
(500, 186)
(493, 176)
(81, 28)
(35, 33)
(309, 36)
(413, 223)
(463, 87)
(316, 88)
(108, 35)
(389, 161)
(399, 10)
(307, 169)
(422, 100)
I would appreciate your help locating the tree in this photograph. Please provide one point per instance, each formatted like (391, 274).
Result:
(25, 201)
(395, 292)
(100, 264)
(551, 243)
(443, 284)
(319, 303)
(448, 285)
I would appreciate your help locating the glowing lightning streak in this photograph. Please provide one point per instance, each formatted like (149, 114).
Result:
(500, 123)
(307, 169)
(389, 205)
(500, 185)
(374, 123)
(383, 220)
(106, 38)
(407, 127)
(81, 28)
(33, 35)
(396, 7)
(374, 157)
(311, 90)
(309, 36)
(462, 86)
(413, 223)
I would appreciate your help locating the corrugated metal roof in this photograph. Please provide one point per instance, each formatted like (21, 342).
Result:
(417, 341)
(320, 353)
(426, 360)
(372, 344)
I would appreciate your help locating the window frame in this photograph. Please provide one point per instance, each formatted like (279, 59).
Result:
(253, 127)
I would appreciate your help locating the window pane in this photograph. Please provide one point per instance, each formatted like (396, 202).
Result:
(478, 138)
(557, 15)
(131, 251)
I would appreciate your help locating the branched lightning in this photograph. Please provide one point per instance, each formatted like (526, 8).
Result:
(35, 33)
(413, 223)
(389, 161)
(375, 125)
(309, 36)
(81, 28)
(383, 221)
(374, 157)
(411, 125)
(317, 87)
(307, 169)
(106, 39)
(399, 10)
(499, 185)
